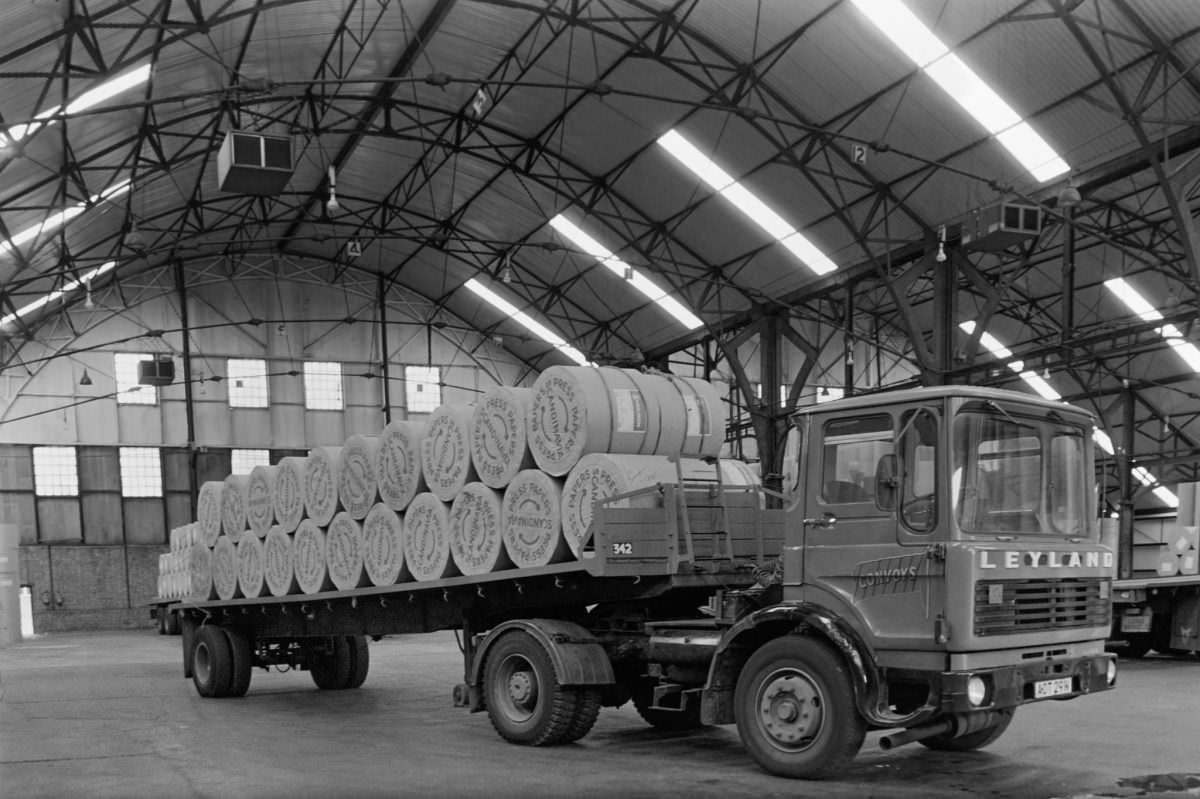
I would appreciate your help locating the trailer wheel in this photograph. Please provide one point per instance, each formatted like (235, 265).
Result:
(360, 660)
(795, 709)
(972, 740)
(525, 703)
(212, 662)
(331, 670)
(241, 661)
(170, 622)
(670, 720)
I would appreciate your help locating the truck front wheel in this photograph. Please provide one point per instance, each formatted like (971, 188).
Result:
(972, 740)
(795, 709)
(212, 662)
(524, 700)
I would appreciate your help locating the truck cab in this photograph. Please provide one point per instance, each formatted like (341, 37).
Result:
(942, 544)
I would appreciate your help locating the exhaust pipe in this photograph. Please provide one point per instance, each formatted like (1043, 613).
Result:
(889, 742)
(957, 724)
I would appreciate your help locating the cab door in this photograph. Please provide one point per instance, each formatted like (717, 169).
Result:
(867, 471)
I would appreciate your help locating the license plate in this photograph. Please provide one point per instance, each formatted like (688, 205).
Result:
(1048, 688)
(1135, 624)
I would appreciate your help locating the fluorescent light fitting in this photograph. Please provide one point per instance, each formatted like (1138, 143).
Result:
(68, 287)
(1039, 384)
(1166, 496)
(526, 321)
(747, 202)
(89, 99)
(690, 156)
(965, 87)
(1135, 302)
(757, 211)
(1132, 299)
(651, 290)
(60, 218)
(1103, 440)
(905, 30)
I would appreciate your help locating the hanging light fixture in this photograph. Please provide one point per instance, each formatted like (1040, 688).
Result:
(86, 379)
(332, 203)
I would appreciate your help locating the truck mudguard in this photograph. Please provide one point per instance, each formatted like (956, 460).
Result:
(577, 656)
(781, 619)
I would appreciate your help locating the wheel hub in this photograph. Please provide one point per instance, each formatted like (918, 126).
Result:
(790, 710)
(522, 688)
(201, 663)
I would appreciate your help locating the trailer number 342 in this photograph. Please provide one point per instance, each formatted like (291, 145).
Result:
(622, 548)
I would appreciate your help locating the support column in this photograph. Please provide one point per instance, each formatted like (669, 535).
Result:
(189, 409)
(769, 374)
(1125, 477)
(385, 371)
(848, 355)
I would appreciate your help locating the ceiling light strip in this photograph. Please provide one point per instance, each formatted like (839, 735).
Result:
(89, 99)
(635, 277)
(1137, 303)
(746, 201)
(526, 321)
(60, 218)
(965, 87)
(69, 287)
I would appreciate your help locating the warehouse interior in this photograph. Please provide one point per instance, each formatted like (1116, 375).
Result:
(429, 198)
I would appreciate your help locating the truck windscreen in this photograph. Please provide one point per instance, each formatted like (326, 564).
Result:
(1019, 475)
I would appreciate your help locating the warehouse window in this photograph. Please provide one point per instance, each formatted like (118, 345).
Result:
(55, 472)
(247, 379)
(422, 388)
(243, 460)
(323, 386)
(129, 391)
(141, 472)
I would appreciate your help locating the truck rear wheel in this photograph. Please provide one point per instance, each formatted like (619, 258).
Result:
(795, 709)
(241, 662)
(212, 662)
(360, 660)
(972, 740)
(331, 670)
(524, 700)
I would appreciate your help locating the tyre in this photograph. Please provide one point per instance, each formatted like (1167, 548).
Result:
(795, 709)
(212, 662)
(241, 662)
(671, 720)
(330, 670)
(587, 710)
(972, 740)
(525, 703)
(360, 660)
(170, 623)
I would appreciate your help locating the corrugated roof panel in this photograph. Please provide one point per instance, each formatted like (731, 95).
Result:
(745, 32)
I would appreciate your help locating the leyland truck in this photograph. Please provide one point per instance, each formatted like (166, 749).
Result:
(932, 564)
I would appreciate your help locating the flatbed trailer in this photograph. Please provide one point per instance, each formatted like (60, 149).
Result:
(911, 603)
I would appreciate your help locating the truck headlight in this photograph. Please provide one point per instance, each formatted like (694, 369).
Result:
(977, 690)
(1111, 673)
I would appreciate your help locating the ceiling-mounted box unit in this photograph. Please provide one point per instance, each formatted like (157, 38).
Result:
(254, 163)
(998, 227)
(156, 372)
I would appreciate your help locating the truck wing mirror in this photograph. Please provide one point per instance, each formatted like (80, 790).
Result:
(886, 482)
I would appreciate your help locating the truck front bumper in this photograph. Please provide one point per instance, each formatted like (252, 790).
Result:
(1009, 686)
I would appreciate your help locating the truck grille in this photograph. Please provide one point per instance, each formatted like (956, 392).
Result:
(1024, 606)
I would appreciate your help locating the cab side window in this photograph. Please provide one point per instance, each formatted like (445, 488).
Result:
(918, 463)
(850, 451)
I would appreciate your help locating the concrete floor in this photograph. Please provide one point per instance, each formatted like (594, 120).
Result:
(110, 715)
